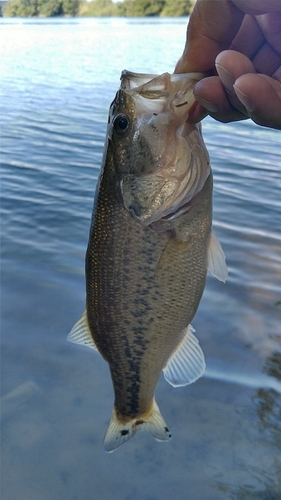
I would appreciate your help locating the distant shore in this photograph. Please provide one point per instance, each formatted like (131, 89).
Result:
(95, 8)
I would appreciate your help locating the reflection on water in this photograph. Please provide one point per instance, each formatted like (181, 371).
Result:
(268, 490)
(269, 411)
(268, 402)
(273, 365)
(263, 482)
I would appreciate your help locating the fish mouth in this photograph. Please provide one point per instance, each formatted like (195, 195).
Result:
(158, 91)
(131, 80)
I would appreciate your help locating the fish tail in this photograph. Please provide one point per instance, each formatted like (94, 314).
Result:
(119, 432)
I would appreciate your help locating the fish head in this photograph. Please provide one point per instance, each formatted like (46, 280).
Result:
(160, 160)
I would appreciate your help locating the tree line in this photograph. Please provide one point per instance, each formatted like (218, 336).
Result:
(97, 8)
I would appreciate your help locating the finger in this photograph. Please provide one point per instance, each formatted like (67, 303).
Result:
(231, 65)
(256, 7)
(211, 29)
(249, 38)
(259, 39)
(261, 96)
(270, 25)
(267, 60)
(210, 94)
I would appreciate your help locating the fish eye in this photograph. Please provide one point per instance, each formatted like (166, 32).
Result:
(121, 123)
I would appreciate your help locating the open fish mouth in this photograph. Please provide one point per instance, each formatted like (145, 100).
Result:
(150, 90)
(131, 80)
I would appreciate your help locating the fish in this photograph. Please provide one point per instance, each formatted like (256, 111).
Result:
(150, 246)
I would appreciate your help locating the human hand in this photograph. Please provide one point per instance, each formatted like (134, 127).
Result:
(239, 44)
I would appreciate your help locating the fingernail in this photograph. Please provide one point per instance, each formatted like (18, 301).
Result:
(210, 106)
(246, 101)
(226, 77)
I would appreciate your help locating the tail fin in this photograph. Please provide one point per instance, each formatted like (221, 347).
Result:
(118, 433)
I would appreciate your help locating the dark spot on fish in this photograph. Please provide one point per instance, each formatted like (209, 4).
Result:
(154, 114)
(137, 314)
(124, 432)
(139, 353)
(167, 430)
(127, 352)
(142, 301)
(181, 104)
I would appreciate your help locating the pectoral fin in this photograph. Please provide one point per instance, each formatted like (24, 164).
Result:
(80, 333)
(187, 363)
(216, 259)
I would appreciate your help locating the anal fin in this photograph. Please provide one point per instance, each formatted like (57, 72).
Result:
(80, 333)
(187, 363)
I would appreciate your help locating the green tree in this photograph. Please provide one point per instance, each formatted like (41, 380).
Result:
(70, 7)
(177, 8)
(20, 8)
(141, 8)
(149, 7)
(49, 8)
(42, 8)
(121, 9)
(98, 8)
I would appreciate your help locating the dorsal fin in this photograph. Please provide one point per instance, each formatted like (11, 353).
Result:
(80, 333)
(216, 259)
(187, 363)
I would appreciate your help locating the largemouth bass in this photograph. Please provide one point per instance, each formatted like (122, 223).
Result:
(150, 246)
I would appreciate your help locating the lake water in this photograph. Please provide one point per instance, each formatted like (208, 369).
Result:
(58, 78)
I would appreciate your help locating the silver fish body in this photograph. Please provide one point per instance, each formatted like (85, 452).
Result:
(150, 245)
